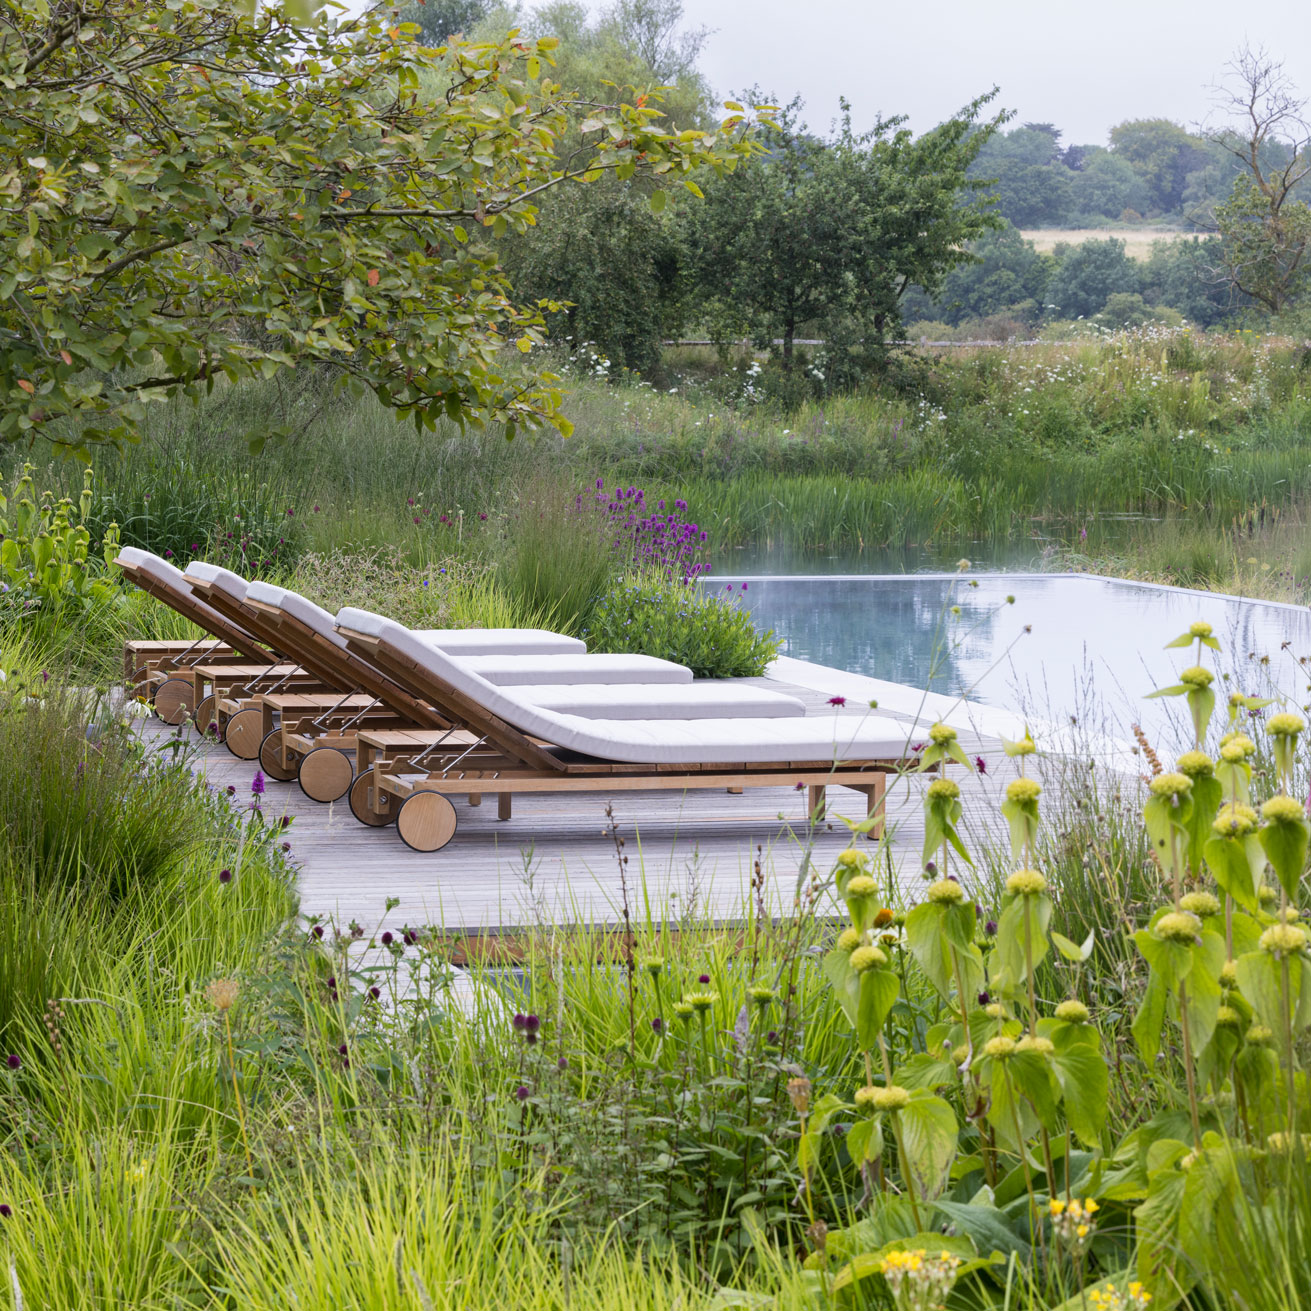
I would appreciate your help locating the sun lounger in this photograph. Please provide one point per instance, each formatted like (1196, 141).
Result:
(507, 746)
(163, 675)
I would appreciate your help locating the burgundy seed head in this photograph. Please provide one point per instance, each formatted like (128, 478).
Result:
(375, 993)
(14, 1061)
(317, 930)
(343, 1050)
(387, 939)
(225, 876)
(703, 978)
(521, 1092)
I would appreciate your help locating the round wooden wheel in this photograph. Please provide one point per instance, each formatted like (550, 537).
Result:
(243, 737)
(173, 700)
(361, 794)
(270, 758)
(206, 724)
(426, 821)
(326, 774)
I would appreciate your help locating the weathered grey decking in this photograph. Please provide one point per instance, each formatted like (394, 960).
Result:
(555, 861)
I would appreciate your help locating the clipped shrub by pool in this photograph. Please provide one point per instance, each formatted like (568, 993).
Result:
(709, 633)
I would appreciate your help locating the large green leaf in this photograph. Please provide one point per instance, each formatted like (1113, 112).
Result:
(1166, 825)
(878, 991)
(1206, 796)
(1085, 1082)
(844, 980)
(1236, 864)
(929, 1140)
(1007, 970)
(932, 950)
(1285, 845)
(1149, 1022)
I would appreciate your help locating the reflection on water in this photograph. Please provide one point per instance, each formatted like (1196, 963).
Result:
(1082, 632)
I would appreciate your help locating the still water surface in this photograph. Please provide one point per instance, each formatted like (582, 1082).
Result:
(1070, 644)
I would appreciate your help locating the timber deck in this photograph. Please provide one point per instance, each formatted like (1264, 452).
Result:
(555, 860)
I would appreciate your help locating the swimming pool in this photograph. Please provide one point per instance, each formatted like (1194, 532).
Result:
(1093, 645)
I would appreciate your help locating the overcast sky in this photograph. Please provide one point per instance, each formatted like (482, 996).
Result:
(1084, 67)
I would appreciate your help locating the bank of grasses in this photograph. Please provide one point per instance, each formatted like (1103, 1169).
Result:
(208, 1102)
(1086, 446)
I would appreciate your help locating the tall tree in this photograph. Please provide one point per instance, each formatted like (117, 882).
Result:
(832, 233)
(1163, 154)
(189, 193)
(1265, 230)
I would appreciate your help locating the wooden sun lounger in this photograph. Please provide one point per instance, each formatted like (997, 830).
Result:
(161, 672)
(306, 731)
(410, 780)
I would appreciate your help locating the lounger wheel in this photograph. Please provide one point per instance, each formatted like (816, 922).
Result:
(326, 774)
(270, 758)
(426, 821)
(173, 699)
(361, 794)
(244, 737)
(206, 723)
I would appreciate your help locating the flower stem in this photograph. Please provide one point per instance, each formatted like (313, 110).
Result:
(236, 1092)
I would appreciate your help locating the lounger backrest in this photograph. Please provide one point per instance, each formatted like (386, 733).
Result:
(176, 591)
(314, 617)
(232, 585)
(533, 720)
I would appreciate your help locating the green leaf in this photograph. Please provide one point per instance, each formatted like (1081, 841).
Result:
(845, 982)
(1072, 951)
(1166, 827)
(865, 1140)
(1006, 963)
(929, 1139)
(658, 201)
(1285, 844)
(1085, 1082)
(1206, 796)
(1235, 864)
(1149, 1022)
(878, 992)
(933, 951)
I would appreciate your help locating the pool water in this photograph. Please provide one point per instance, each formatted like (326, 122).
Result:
(1068, 645)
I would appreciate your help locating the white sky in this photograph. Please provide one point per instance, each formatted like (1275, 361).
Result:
(1084, 67)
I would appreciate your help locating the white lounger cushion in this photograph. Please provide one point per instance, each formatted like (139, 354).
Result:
(314, 617)
(668, 741)
(472, 641)
(708, 698)
(163, 572)
(565, 670)
(223, 579)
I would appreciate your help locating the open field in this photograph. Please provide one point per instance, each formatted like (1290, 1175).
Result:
(1138, 241)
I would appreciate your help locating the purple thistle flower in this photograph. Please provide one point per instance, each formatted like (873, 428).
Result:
(837, 701)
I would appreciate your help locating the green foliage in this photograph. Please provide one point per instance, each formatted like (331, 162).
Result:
(47, 552)
(1162, 154)
(1087, 276)
(831, 233)
(1264, 239)
(317, 193)
(678, 621)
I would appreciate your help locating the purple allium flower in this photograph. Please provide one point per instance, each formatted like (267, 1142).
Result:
(375, 993)
(658, 1024)
(837, 701)
(332, 980)
(291, 514)
(257, 784)
(931, 868)
(409, 500)
(703, 978)
(387, 939)
(316, 509)
(6, 1211)
(518, 1021)
(772, 1037)
(285, 822)
(990, 928)
(985, 998)
(530, 1039)
(286, 847)
(225, 876)
(532, 1023)
(317, 930)
(562, 1064)
(343, 1050)
(798, 787)
(521, 1092)
(14, 1061)
(482, 515)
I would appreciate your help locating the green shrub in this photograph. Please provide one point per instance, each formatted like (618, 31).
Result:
(710, 634)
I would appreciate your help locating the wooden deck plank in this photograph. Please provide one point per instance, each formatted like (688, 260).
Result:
(555, 860)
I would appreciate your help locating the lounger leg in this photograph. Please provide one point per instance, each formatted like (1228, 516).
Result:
(817, 801)
(475, 798)
(733, 792)
(877, 795)
(503, 805)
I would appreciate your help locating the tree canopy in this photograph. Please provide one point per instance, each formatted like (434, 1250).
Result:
(189, 193)
(831, 233)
